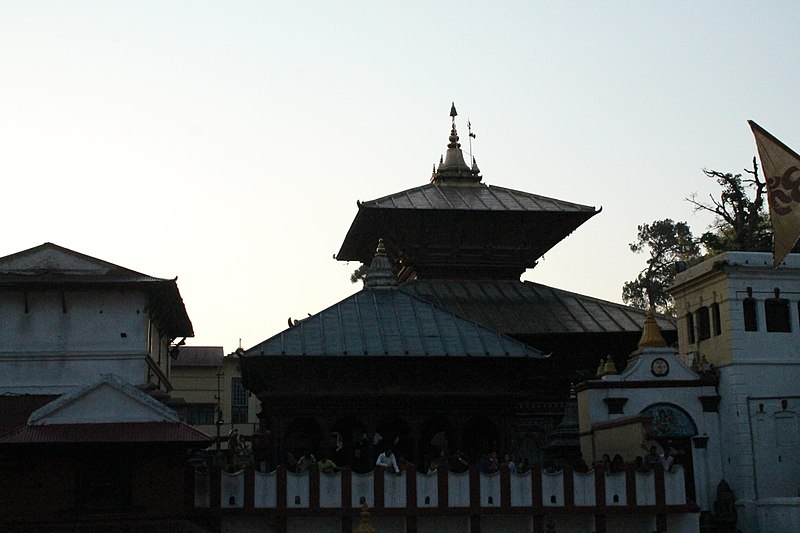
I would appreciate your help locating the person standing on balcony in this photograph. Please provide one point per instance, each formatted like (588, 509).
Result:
(388, 461)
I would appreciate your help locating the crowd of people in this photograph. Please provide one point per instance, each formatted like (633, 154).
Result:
(456, 461)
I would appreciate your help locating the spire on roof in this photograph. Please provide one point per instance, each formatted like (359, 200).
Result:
(651, 334)
(453, 167)
(379, 273)
(609, 368)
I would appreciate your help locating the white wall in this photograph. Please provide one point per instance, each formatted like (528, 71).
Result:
(61, 343)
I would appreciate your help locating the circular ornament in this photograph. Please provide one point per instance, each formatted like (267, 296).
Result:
(659, 367)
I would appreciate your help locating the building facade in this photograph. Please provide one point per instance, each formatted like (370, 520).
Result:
(87, 438)
(207, 386)
(739, 315)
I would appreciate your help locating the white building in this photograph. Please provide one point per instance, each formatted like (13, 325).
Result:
(86, 439)
(68, 318)
(741, 315)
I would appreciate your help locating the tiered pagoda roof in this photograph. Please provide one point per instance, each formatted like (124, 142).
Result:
(458, 227)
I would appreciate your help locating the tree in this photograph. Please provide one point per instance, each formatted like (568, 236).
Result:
(359, 273)
(667, 242)
(740, 223)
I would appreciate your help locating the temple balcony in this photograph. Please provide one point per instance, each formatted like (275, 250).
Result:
(408, 501)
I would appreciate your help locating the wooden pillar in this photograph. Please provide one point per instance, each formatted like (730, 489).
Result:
(569, 487)
(378, 483)
(536, 494)
(280, 499)
(216, 487)
(505, 486)
(249, 487)
(475, 500)
(411, 499)
(313, 488)
(600, 498)
(347, 490)
(661, 500)
(630, 484)
(442, 486)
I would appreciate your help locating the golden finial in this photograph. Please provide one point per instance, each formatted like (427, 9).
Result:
(609, 368)
(572, 394)
(651, 334)
(601, 368)
(365, 524)
(381, 249)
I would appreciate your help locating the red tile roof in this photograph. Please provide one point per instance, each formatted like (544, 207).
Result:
(134, 432)
(15, 409)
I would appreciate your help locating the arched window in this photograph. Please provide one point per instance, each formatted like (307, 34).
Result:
(716, 319)
(703, 323)
(776, 311)
(750, 314)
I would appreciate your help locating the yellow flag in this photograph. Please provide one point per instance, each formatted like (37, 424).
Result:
(781, 167)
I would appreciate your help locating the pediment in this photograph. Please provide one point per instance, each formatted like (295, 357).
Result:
(104, 401)
(53, 259)
(655, 364)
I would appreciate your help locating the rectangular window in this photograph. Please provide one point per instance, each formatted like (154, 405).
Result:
(690, 327)
(776, 311)
(750, 315)
(200, 415)
(238, 402)
(703, 324)
(716, 319)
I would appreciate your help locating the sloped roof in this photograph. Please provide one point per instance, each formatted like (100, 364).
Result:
(444, 227)
(51, 266)
(473, 197)
(199, 356)
(386, 321)
(16, 408)
(107, 399)
(106, 410)
(130, 432)
(527, 308)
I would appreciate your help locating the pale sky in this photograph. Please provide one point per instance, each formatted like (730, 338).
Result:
(226, 143)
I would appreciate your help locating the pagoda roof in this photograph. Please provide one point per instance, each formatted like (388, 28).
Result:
(49, 266)
(389, 322)
(527, 308)
(460, 225)
(382, 320)
(471, 196)
(463, 224)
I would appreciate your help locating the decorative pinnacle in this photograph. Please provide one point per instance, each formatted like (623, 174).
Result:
(365, 524)
(609, 368)
(651, 333)
(452, 166)
(601, 369)
(379, 274)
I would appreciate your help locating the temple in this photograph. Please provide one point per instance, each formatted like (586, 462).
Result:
(445, 339)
